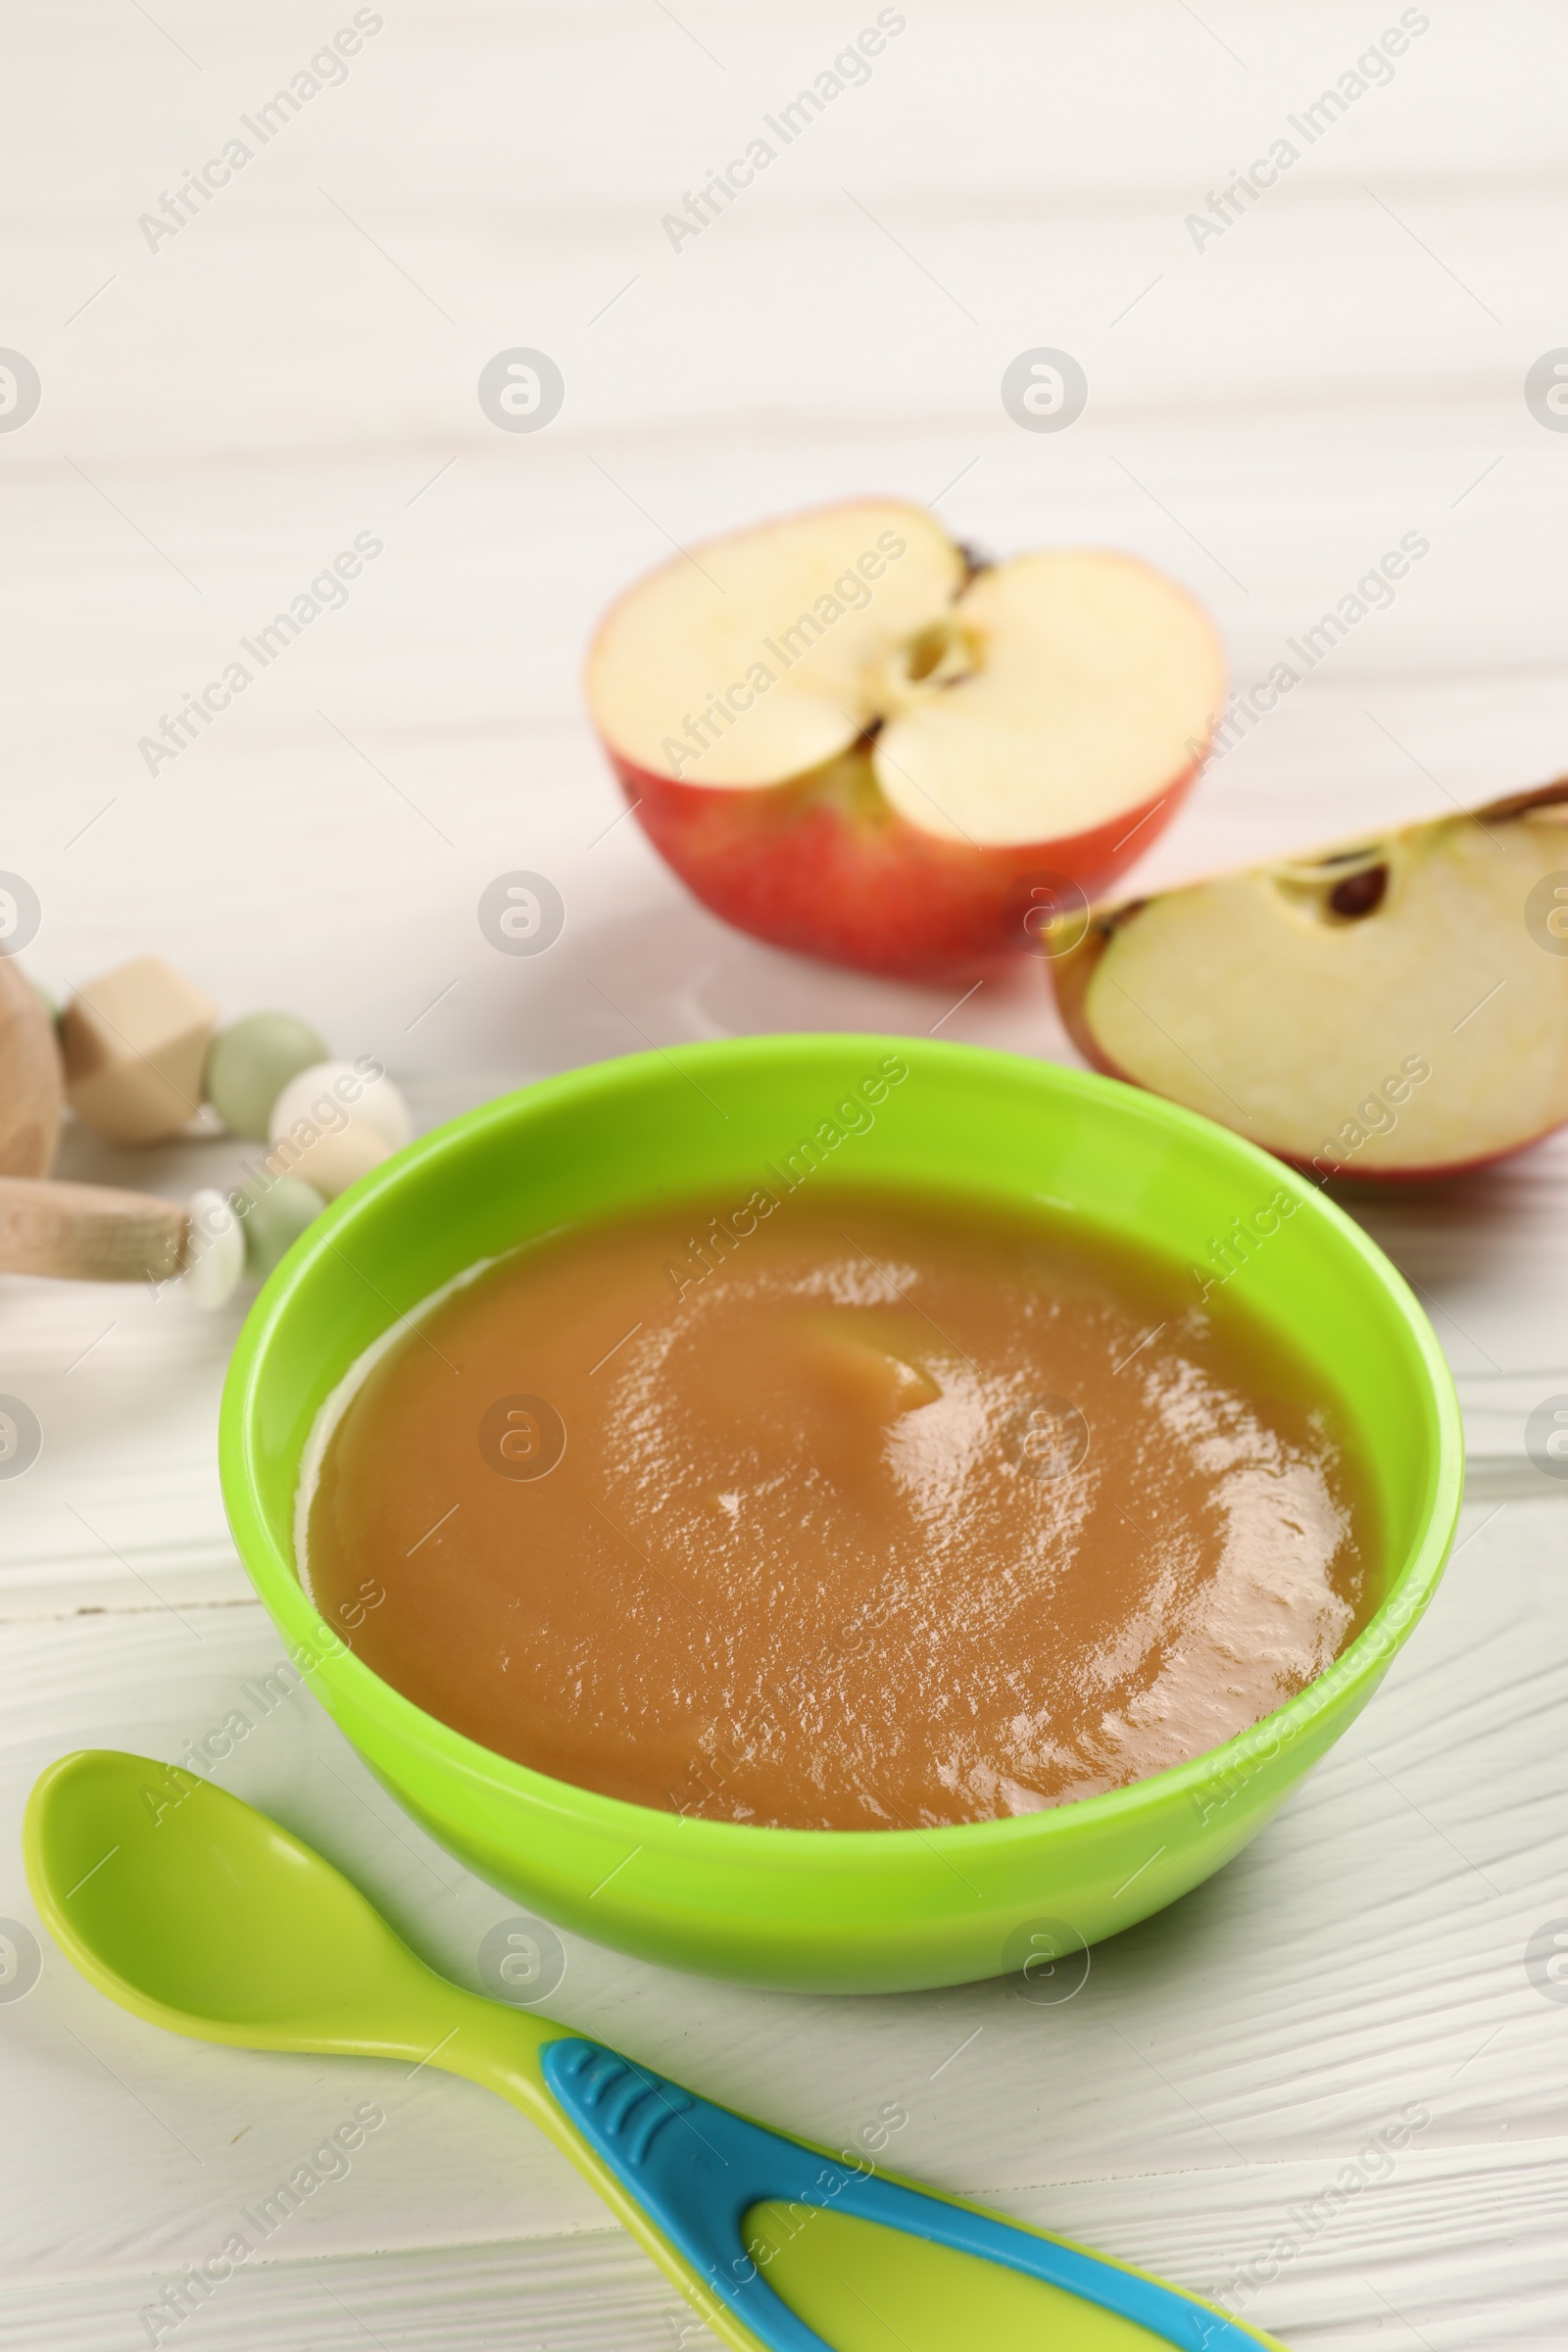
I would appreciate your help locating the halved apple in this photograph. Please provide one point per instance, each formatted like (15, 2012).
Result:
(848, 739)
(1395, 1009)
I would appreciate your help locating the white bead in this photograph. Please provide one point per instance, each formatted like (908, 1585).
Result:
(328, 1091)
(216, 1251)
(334, 1160)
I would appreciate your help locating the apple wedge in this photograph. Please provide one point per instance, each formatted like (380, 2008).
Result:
(1395, 1009)
(850, 740)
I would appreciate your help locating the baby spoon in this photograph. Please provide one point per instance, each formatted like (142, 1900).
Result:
(194, 1911)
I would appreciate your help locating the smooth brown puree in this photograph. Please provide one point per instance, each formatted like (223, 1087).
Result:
(908, 1511)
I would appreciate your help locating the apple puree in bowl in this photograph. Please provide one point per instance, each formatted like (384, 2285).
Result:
(849, 1509)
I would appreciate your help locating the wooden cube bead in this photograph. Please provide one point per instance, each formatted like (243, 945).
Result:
(134, 1044)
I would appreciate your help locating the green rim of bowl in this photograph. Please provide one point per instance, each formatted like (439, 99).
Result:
(272, 1573)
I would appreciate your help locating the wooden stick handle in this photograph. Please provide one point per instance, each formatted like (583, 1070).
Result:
(89, 1233)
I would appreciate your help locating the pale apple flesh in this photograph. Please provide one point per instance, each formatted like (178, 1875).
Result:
(1393, 1010)
(850, 741)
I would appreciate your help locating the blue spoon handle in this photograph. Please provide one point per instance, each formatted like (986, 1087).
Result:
(697, 2171)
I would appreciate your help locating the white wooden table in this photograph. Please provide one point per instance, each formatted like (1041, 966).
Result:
(222, 409)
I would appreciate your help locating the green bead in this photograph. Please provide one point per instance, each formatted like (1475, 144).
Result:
(249, 1064)
(275, 1219)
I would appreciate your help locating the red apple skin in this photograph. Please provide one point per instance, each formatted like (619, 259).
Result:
(823, 865)
(1069, 980)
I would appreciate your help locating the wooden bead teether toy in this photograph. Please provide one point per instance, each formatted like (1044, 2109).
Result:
(135, 1055)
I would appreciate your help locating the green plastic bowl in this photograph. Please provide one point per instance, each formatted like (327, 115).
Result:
(841, 1910)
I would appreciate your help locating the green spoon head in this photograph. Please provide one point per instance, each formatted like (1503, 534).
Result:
(202, 1915)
